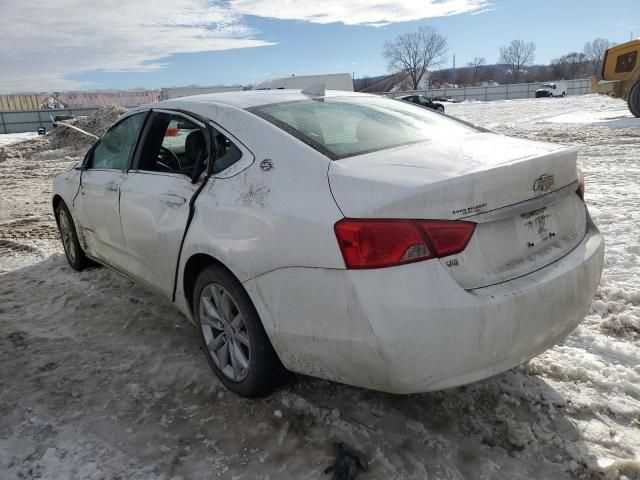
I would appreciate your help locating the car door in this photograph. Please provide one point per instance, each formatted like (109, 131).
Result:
(155, 196)
(425, 101)
(103, 172)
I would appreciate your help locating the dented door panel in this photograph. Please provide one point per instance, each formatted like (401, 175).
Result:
(99, 216)
(154, 209)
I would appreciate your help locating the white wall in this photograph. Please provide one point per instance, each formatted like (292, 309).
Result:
(332, 81)
(177, 92)
(498, 92)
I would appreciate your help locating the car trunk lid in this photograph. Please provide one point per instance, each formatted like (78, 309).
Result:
(519, 192)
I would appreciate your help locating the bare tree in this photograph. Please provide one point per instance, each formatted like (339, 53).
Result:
(477, 65)
(414, 53)
(569, 66)
(438, 79)
(464, 77)
(595, 50)
(518, 56)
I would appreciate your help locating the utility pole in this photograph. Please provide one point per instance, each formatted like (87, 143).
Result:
(455, 80)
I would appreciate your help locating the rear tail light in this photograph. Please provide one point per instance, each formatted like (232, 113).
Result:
(372, 243)
(580, 190)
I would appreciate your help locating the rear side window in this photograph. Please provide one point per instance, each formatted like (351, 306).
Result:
(226, 153)
(626, 62)
(116, 146)
(341, 127)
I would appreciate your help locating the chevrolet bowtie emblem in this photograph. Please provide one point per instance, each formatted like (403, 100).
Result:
(544, 183)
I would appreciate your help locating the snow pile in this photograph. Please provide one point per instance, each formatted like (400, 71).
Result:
(99, 378)
(97, 123)
(67, 140)
(9, 138)
(23, 149)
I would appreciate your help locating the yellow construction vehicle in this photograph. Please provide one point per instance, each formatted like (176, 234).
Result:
(621, 74)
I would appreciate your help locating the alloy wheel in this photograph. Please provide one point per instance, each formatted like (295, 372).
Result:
(67, 235)
(225, 332)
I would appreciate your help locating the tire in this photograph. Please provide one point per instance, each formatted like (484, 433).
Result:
(440, 109)
(634, 100)
(563, 94)
(232, 336)
(72, 249)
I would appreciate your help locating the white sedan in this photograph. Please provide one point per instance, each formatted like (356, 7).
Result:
(344, 236)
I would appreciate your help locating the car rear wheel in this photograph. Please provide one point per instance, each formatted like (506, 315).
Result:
(634, 100)
(563, 94)
(232, 336)
(67, 228)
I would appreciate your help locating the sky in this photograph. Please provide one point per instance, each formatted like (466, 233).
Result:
(54, 45)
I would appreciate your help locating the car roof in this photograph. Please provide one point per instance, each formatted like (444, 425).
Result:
(250, 98)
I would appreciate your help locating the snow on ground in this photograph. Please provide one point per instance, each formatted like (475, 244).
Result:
(100, 379)
(9, 138)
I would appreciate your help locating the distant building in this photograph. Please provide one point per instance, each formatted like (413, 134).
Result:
(177, 92)
(332, 81)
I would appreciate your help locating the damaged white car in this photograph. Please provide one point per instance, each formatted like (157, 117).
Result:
(340, 235)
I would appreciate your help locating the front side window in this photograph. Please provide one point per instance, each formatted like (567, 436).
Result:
(174, 144)
(341, 127)
(626, 62)
(116, 146)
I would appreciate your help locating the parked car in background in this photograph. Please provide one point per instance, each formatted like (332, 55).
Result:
(424, 102)
(556, 89)
(344, 236)
(445, 99)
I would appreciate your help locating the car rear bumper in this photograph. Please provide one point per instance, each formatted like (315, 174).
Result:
(413, 329)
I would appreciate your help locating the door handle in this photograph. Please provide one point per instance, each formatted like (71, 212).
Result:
(172, 200)
(111, 187)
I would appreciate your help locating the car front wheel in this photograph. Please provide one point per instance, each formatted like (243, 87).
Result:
(634, 100)
(232, 335)
(440, 109)
(67, 228)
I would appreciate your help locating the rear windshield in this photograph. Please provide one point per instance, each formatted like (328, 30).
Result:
(341, 127)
